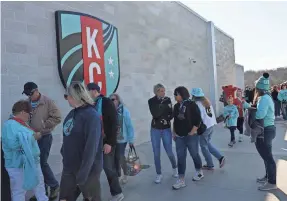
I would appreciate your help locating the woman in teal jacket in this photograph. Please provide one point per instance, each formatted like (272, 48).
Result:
(282, 97)
(231, 114)
(22, 154)
(125, 134)
(265, 111)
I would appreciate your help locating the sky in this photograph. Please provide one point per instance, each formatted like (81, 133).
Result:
(259, 29)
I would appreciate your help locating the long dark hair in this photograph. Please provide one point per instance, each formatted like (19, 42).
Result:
(182, 91)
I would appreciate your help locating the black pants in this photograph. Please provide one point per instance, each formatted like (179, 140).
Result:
(45, 144)
(232, 130)
(5, 180)
(264, 148)
(111, 172)
(240, 122)
(91, 190)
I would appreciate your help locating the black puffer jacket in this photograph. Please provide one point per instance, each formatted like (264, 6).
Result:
(161, 111)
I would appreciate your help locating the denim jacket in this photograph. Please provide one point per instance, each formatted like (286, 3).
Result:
(21, 151)
(253, 127)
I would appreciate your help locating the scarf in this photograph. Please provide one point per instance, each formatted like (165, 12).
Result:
(99, 109)
(23, 123)
(120, 135)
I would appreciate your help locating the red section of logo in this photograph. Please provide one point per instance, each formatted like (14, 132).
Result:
(93, 52)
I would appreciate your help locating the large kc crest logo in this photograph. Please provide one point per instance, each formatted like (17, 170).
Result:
(87, 51)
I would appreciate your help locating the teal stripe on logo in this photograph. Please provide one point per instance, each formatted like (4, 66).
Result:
(69, 53)
(73, 72)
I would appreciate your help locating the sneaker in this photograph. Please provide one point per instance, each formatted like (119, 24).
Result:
(54, 193)
(205, 167)
(267, 187)
(221, 161)
(118, 197)
(33, 198)
(175, 173)
(198, 176)
(180, 183)
(240, 138)
(262, 180)
(124, 180)
(158, 179)
(230, 144)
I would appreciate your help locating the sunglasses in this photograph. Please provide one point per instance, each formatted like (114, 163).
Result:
(65, 96)
(113, 99)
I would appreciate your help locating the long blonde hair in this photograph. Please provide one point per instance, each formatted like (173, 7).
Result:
(79, 93)
(204, 101)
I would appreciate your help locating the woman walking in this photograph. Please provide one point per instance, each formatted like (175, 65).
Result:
(209, 119)
(187, 120)
(82, 147)
(22, 154)
(265, 111)
(125, 134)
(161, 110)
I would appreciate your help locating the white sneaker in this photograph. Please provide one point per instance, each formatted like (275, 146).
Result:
(240, 138)
(118, 197)
(198, 176)
(124, 180)
(175, 173)
(180, 183)
(158, 179)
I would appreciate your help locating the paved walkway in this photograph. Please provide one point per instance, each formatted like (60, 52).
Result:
(235, 182)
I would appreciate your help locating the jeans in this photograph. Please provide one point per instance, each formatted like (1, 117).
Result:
(284, 110)
(277, 105)
(232, 134)
(207, 148)
(16, 176)
(121, 159)
(166, 136)
(240, 122)
(111, 172)
(45, 144)
(190, 143)
(264, 148)
(91, 190)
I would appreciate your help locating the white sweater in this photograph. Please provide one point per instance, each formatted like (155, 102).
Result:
(208, 121)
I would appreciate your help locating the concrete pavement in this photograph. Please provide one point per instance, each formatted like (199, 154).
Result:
(234, 182)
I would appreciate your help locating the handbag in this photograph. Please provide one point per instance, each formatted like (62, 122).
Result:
(201, 129)
(133, 162)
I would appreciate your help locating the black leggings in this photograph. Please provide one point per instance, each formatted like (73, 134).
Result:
(232, 130)
(240, 121)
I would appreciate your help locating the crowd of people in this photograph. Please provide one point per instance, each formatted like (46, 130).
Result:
(98, 129)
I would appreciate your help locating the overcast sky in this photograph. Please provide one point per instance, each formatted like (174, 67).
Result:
(259, 29)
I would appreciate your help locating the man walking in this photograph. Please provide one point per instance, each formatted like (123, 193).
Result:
(108, 113)
(44, 118)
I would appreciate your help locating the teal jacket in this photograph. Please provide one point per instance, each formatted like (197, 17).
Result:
(265, 110)
(21, 151)
(128, 129)
(232, 112)
(282, 95)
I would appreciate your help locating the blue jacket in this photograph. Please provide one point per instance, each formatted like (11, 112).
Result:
(128, 129)
(282, 95)
(232, 112)
(265, 110)
(21, 151)
(82, 148)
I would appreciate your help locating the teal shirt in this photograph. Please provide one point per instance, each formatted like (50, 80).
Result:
(232, 111)
(128, 130)
(265, 110)
(282, 95)
(21, 151)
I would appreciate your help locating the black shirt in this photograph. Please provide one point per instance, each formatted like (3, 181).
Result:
(186, 115)
(274, 95)
(161, 111)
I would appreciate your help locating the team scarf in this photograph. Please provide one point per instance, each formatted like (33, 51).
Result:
(99, 109)
(120, 135)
